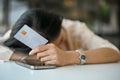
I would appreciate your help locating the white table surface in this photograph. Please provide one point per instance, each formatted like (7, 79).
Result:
(12, 71)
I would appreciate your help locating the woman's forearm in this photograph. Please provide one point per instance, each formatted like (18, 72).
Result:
(16, 56)
(101, 55)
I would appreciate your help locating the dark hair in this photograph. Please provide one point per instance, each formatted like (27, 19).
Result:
(46, 23)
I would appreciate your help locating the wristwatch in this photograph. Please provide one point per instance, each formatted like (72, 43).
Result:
(82, 57)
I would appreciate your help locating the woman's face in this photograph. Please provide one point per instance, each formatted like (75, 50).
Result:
(60, 41)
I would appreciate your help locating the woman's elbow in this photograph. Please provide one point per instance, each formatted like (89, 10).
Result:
(114, 53)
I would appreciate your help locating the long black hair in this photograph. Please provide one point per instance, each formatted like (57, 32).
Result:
(46, 23)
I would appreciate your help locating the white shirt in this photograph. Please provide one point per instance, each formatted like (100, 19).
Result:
(78, 36)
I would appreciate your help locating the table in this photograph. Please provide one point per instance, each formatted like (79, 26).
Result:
(12, 71)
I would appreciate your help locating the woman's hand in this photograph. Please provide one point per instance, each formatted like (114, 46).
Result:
(51, 54)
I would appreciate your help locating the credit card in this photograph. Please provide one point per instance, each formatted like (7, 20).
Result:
(29, 37)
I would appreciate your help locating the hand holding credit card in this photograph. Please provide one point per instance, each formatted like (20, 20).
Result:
(30, 37)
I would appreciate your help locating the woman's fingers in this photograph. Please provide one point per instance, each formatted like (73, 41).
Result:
(42, 54)
(39, 49)
(47, 58)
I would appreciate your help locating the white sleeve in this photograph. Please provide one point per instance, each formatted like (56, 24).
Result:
(91, 40)
(5, 53)
(5, 36)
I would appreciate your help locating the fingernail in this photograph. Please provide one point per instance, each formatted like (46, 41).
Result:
(30, 53)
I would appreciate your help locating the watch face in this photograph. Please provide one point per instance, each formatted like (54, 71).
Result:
(83, 57)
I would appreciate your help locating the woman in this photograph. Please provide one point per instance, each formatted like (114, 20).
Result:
(70, 42)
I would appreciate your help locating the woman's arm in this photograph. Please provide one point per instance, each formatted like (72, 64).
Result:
(101, 55)
(95, 56)
(98, 50)
(18, 56)
(51, 54)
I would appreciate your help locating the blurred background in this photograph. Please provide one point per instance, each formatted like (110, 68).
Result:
(101, 16)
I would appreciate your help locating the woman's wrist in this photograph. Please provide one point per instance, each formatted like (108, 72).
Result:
(73, 57)
(82, 56)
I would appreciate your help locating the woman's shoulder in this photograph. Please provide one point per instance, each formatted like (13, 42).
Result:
(75, 26)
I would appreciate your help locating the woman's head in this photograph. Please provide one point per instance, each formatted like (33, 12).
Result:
(46, 23)
(49, 25)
